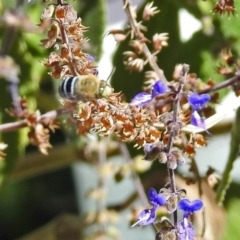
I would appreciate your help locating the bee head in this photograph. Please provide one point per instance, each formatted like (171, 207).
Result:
(104, 89)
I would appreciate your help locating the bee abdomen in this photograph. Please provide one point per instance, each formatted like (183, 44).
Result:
(67, 88)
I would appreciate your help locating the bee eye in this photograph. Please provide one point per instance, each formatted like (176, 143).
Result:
(95, 72)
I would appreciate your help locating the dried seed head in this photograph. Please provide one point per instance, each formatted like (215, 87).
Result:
(152, 150)
(224, 6)
(53, 34)
(150, 78)
(199, 140)
(137, 45)
(160, 41)
(223, 70)
(178, 154)
(149, 11)
(177, 72)
(172, 161)
(173, 128)
(135, 64)
(162, 158)
(227, 56)
(172, 202)
(40, 136)
(47, 12)
(166, 233)
(133, 10)
(189, 150)
(166, 118)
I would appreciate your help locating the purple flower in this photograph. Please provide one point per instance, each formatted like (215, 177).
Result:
(158, 88)
(146, 217)
(90, 58)
(190, 207)
(198, 101)
(155, 198)
(143, 98)
(198, 121)
(185, 230)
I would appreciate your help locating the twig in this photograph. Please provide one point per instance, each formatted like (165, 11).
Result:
(7, 127)
(226, 83)
(135, 177)
(66, 41)
(145, 49)
(101, 183)
(200, 192)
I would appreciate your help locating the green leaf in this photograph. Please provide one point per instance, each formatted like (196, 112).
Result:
(233, 156)
(232, 230)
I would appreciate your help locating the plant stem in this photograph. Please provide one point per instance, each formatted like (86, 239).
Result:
(146, 51)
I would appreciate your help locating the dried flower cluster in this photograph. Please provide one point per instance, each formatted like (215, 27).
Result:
(224, 6)
(129, 123)
(66, 35)
(39, 128)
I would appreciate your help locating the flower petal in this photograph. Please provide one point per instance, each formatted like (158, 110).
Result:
(155, 198)
(198, 101)
(198, 121)
(90, 58)
(185, 230)
(190, 206)
(146, 217)
(158, 88)
(141, 99)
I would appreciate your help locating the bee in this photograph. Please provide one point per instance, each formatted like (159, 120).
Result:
(83, 88)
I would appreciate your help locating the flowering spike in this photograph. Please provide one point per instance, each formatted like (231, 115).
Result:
(190, 206)
(198, 101)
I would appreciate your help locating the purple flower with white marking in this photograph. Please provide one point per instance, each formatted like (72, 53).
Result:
(143, 98)
(197, 120)
(148, 216)
(197, 101)
(185, 228)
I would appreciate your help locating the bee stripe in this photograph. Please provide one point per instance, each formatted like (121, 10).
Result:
(66, 89)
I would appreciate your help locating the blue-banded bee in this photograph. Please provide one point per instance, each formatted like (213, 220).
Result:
(83, 88)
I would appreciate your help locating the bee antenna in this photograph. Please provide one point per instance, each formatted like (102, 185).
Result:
(111, 73)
